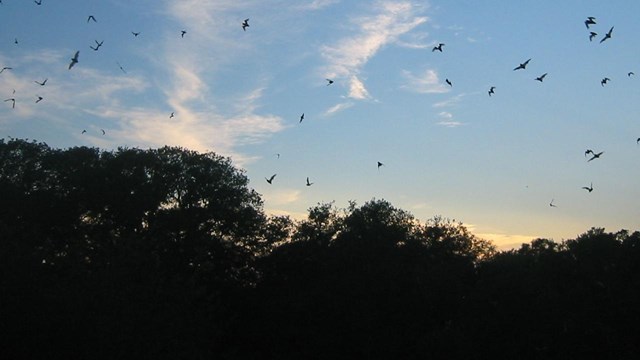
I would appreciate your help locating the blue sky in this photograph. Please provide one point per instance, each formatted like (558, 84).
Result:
(493, 163)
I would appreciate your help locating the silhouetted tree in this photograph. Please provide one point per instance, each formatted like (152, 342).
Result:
(368, 281)
(134, 250)
(166, 253)
(557, 300)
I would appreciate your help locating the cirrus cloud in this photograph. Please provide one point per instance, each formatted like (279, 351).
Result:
(390, 20)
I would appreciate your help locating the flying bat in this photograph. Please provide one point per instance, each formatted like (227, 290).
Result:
(98, 44)
(121, 68)
(595, 155)
(74, 60)
(269, 180)
(522, 66)
(590, 21)
(438, 48)
(607, 35)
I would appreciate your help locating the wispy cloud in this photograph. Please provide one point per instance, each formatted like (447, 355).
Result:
(134, 109)
(282, 197)
(425, 83)
(445, 115)
(415, 40)
(506, 241)
(103, 88)
(452, 101)
(318, 4)
(338, 108)
(420, 206)
(501, 239)
(450, 124)
(357, 89)
(194, 129)
(447, 120)
(391, 19)
(81, 89)
(44, 56)
(298, 216)
(200, 15)
(199, 123)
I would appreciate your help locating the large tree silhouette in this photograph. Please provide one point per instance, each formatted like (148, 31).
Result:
(369, 281)
(154, 239)
(558, 300)
(167, 253)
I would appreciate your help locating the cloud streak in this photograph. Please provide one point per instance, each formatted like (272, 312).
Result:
(338, 108)
(357, 89)
(452, 101)
(134, 110)
(318, 4)
(390, 20)
(198, 123)
(426, 83)
(446, 119)
(282, 197)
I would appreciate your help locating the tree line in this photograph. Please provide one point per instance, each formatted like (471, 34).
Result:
(167, 253)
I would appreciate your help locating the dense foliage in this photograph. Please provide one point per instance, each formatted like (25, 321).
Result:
(167, 253)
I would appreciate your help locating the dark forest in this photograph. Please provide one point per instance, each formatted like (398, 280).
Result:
(167, 253)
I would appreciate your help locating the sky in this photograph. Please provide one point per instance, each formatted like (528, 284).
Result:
(495, 163)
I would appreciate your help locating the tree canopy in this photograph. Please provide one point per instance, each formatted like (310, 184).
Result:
(167, 253)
